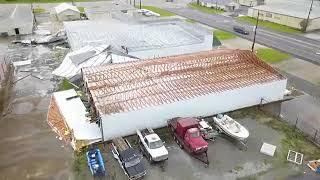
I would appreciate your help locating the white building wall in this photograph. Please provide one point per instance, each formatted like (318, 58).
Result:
(248, 2)
(314, 25)
(169, 51)
(126, 123)
(293, 22)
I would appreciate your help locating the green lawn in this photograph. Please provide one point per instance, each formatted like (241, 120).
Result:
(268, 24)
(81, 9)
(223, 35)
(205, 9)
(162, 12)
(191, 21)
(271, 55)
(38, 10)
(65, 84)
(40, 1)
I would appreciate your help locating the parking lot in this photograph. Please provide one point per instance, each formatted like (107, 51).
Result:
(228, 159)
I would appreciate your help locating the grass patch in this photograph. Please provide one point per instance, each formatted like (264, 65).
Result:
(38, 10)
(79, 165)
(162, 12)
(41, 1)
(238, 168)
(65, 84)
(81, 9)
(205, 9)
(271, 55)
(223, 35)
(191, 21)
(268, 24)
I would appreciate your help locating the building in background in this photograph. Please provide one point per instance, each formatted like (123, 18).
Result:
(16, 20)
(293, 14)
(227, 5)
(66, 12)
(250, 3)
(148, 40)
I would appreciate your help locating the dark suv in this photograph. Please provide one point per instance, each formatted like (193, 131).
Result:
(240, 30)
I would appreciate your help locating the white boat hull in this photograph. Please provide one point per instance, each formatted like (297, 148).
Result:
(232, 128)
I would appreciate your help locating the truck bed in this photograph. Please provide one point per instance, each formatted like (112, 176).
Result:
(120, 143)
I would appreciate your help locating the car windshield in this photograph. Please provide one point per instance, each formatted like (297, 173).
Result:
(195, 134)
(156, 144)
(132, 162)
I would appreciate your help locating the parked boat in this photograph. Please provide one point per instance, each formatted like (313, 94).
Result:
(95, 162)
(231, 127)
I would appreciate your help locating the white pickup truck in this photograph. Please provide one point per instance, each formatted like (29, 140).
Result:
(152, 146)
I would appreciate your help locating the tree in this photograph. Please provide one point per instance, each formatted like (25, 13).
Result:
(304, 24)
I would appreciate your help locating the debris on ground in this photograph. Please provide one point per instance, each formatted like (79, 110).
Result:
(314, 165)
(268, 149)
(295, 157)
(21, 63)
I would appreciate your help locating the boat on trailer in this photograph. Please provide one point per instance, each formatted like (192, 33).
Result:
(95, 162)
(231, 127)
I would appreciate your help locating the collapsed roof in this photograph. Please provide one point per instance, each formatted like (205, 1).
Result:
(86, 57)
(136, 85)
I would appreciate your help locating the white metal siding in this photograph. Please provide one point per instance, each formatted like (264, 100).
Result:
(126, 123)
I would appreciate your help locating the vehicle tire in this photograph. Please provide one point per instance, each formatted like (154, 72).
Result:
(150, 159)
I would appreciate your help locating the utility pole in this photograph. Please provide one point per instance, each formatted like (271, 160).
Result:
(309, 15)
(255, 32)
(140, 4)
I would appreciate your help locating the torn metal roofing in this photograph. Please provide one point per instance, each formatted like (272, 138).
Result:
(141, 84)
(88, 56)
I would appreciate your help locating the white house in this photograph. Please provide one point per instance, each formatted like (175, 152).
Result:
(66, 12)
(145, 94)
(289, 13)
(227, 5)
(250, 3)
(16, 20)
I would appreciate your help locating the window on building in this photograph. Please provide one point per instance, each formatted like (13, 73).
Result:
(269, 15)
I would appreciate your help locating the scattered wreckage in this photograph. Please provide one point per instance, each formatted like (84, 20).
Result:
(59, 37)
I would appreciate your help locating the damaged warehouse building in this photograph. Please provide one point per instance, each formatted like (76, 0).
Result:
(147, 93)
(143, 41)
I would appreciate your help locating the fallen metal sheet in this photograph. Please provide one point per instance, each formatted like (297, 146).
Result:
(21, 63)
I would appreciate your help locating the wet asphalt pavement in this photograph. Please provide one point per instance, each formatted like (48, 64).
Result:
(29, 149)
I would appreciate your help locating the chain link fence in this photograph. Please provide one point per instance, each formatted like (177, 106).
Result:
(304, 125)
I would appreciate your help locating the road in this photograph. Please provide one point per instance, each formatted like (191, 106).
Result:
(296, 45)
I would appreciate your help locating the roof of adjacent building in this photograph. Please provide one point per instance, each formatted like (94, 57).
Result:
(65, 6)
(135, 37)
(12, 16)
(67, 114)
(299, 9)
(141, 84)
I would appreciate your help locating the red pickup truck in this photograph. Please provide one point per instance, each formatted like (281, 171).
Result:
(187, 135)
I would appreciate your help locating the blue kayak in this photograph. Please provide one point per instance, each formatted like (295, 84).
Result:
(95, 162)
